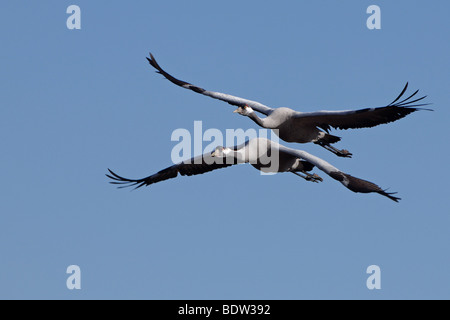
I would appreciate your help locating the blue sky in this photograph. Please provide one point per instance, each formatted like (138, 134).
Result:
(75, 102)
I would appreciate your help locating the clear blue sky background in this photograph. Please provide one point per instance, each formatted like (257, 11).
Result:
(75, 102)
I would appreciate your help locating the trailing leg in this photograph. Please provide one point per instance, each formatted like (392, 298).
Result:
(340, 153)
(309, 177)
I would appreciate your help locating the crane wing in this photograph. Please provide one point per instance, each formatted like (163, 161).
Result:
(233, 100)
(363, 118)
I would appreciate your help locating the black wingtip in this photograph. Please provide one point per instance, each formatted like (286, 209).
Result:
(121, 181)
(407, 103)
(172, 79)
(390, 195)
(153, 62)
(400, 95)
(362, 186)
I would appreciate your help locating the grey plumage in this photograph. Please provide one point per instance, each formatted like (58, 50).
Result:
(264, 155)
(304, 127)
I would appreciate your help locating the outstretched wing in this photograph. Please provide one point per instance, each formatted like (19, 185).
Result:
(236, 101)
(363, 118)
(350, 182)
(362, 186)
(194, 166)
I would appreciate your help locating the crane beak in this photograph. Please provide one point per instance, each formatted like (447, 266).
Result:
(237, 110)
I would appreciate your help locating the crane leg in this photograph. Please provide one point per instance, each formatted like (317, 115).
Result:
(309, 177)
(340, 153)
